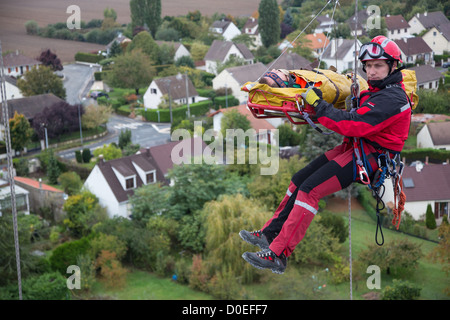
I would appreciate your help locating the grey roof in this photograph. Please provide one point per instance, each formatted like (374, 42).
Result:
(431, 183)
(249, 72)
(341, 51)
(125, 166)
(432, 19)
(219, 49)
(15, 59)
(30, 106)
(291, 61)
(177, 86)
(440, 133)
(426, 73)
(444, 29)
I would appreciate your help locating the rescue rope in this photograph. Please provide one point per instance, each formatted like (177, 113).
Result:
(293, 41)
(5, 114)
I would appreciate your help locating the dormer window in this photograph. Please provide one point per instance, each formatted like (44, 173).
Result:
(151, 177)
(129, 183)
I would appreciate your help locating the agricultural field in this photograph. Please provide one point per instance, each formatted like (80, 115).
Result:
(14, 14)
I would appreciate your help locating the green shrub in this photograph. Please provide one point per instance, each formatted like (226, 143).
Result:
(67, 253)
(401, 290)
(429, 218)
(48, 286)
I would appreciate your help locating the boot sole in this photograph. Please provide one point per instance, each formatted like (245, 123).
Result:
(249, 258)
(261, 244)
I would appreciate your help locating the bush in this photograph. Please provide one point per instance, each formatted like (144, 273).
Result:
(48, 286)
(401, 290)
(88, 57)
(67, 253)
(429, 218)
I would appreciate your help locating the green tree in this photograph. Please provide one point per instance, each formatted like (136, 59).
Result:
(430, 221)
(109, 152)
(234, 120)
(224, 219)
(83, 212)
(146, 13)
(148, 201)
(40, 81)
(124, 138)
(53, 170)
(269, 22)
(20, 131)
(145, 42)
(132, 70)
(401, 290)
(71, 182)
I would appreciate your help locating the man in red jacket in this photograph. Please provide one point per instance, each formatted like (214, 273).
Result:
(381, 122)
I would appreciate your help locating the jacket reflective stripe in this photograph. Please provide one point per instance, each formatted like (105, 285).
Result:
(306, 206)
(289, 193)
(405, 107)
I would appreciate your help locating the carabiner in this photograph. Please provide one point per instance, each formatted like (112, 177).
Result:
(363, 176)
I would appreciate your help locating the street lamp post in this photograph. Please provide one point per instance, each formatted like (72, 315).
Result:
(79, 119)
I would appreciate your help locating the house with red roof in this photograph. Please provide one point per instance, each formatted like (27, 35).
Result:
(41, 195)
(21, 195)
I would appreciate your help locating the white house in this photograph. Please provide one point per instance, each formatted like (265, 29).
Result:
(438, 38)
(341, 54)
(121, 40)
(233, 78)
(397, 27)
(114, 181)
(426, 21)
(427, 77)
(180, 49)
(21, 195)
(222, 51)
(427, 184)
(251, 28)
(359, 22)
(177, 88)
(264, 130)
(414, 50)
(326, 24)
(434, 135)
(12, 91)
(227, 29)
(16, 64)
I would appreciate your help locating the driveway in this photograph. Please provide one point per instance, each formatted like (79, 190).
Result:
(146, 134)
(78, 79)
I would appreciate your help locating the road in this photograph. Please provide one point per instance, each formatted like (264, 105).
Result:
(78, 78)
(145, 134)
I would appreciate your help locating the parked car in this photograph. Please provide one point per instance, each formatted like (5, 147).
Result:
(98, 94)
(446, 65)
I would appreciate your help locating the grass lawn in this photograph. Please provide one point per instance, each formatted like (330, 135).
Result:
(143, 285)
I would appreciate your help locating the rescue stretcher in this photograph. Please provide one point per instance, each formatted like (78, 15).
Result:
(269, 102)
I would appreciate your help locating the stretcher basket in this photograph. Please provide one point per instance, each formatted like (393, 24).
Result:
(268, 102)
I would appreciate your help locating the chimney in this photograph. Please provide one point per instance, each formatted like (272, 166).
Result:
(426, 160)
(419, 166)
(147, 152)
(101, 161)
(425, 14)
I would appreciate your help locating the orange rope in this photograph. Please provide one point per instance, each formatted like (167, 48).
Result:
(401, 204)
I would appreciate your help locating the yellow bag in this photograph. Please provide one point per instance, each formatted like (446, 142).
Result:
(410, 83)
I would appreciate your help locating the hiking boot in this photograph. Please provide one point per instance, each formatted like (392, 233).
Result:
(256, 238)
(266, 259)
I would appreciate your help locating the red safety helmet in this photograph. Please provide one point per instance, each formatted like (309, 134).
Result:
(380, 48)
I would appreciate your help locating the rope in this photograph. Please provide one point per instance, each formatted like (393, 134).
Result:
(350, 239)
(5, 115)
(293, 41)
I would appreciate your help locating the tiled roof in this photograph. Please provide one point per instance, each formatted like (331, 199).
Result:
(411, 46)
(36, 184)
(15, 59)
(396, 22)
(431, 183)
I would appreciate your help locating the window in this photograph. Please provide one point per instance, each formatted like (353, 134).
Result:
(153, 91)
(151, 177)
(129, 183)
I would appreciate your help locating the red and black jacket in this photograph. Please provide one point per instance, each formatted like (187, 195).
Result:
(382, 119)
